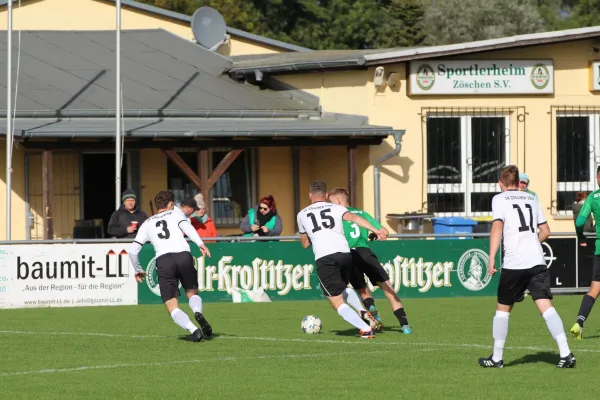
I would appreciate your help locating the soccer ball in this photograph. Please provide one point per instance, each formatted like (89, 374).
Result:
(311, 324)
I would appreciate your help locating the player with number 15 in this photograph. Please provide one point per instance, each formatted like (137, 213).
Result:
(174, 262)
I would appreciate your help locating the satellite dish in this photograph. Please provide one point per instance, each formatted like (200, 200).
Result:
(208, 27)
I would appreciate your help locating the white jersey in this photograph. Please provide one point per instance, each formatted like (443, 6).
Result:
(166, 233)
(323, 223)
(521, 214)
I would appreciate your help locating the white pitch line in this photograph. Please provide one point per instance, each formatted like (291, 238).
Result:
(331, 341)
(161, 364)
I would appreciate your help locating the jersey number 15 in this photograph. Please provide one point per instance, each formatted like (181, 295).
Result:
(326, 220)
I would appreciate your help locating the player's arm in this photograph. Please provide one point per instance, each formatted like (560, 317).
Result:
(363, 223)
(134, 251)
(303, 236)
(495, 233)
(542, 223)
(187, 228)
(585, 212)
(376, 224)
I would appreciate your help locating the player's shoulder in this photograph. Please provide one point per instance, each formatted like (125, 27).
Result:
(594, 196)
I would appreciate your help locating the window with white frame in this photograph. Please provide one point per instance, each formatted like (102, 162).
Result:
(464, 157)
(578, 153)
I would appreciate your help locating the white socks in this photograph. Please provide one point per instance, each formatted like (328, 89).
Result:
(352, 317)
(183, 320)
(352, 298)
(196, 303)
(500, 332)
(555, 326)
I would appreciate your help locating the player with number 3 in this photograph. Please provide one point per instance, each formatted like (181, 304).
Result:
(174, 262)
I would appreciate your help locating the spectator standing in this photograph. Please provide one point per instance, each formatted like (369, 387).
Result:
(199, 219)
(125, 221)
(524, 185)
(263, 219)
(577, 205)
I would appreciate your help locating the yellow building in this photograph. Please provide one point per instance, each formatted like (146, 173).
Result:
(467, 110)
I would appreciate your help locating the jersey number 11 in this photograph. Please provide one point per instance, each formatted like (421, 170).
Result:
(524, 227)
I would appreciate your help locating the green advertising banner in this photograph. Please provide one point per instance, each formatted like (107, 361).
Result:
(286, 271)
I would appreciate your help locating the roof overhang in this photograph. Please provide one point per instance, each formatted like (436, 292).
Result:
(82, 133)
(287, 63)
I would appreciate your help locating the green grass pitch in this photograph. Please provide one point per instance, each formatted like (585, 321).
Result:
(259, 351)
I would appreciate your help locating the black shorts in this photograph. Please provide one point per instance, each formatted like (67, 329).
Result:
(173, 268)
(334, 273)
(596, 271)
(366, 263)
(514, 282)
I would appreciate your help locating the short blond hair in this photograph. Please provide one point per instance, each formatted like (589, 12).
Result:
(339, 191)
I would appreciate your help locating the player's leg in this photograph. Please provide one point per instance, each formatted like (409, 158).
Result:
(333, 283)
(511, 287)
(362, 258)
(539, 289)
(166, 267)
(358, 282)
(396, 304)
(188, 276)
(588, 300)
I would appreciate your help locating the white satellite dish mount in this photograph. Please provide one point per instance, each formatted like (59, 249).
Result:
(209, 29)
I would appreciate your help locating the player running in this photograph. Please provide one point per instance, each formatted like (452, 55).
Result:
(321, 225)
(516, 215)
(591, 205)
(366, 262)
(174, 262)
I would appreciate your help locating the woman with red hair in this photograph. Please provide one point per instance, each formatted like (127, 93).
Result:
(263, 220)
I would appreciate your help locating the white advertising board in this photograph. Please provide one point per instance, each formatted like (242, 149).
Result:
(469, 77)
(66, 275)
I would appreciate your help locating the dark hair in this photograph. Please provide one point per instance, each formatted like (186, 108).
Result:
(270, 202)
(318, 187)
(339, 191)
(163, 198)
(509, 176)
(580, 196)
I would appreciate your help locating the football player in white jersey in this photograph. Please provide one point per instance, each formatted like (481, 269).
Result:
(321, 225)
(517, 216)
(174, 262)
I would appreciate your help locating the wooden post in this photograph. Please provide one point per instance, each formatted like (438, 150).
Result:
(352, 176)
(203, 171)
(48, 194)
(182, 165)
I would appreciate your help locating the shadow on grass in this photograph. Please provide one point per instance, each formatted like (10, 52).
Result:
(186, 338)
(347, 332)
(540, 357)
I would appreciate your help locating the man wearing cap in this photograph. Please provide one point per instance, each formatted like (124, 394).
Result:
(196, 212)
(125, 221)
(524, 184)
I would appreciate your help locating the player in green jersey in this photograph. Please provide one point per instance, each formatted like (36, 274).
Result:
(591, 205)
(366, 262)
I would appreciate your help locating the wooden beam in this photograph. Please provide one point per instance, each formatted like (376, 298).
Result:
(48, 194)
(182, 165)
(352, 176)
(223, 165)
(203, 171)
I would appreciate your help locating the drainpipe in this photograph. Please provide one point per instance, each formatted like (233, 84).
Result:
(398, 140)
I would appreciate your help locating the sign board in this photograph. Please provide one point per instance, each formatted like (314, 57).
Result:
(595, 76)
(66, 275)
(478, 77)
(286, 271)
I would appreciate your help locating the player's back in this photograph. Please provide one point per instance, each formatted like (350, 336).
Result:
(162, 230)
(522, 214)
(355, 235)
(323, 223)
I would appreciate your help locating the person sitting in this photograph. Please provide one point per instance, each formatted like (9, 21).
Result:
(263, 219)
(201, 222)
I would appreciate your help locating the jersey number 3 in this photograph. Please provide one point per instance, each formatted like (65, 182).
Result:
(524, 227)
(327, 220)
(165, 234)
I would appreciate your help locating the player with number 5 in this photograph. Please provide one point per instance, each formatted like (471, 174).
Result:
(517, 216)
(321, 225)
(174, 262)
